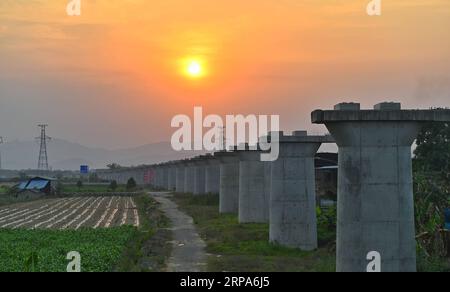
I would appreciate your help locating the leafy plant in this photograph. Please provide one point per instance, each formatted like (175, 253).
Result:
(113, 185)
(31, 264)
(46, 250)
(131, 184)
(431, 166)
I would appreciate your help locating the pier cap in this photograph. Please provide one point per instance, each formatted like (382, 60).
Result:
(385, 111)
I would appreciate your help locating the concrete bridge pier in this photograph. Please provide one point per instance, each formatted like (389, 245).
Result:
(157, 178)
(180, 172)
(254, 199)
(189, 177)
(293, 221)
(375, 186)
(165, 176)
(199, 176)
(212, 175)
(172, 177)
(229, 182)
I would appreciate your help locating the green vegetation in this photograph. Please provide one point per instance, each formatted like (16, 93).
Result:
(131, 184)
(246, 248)
(432, 195)
(8, 196)
(150, 247)
(94, 188)
(7, 199)
(113, 186)
(4, 190)
(123, 248)
(46, 250)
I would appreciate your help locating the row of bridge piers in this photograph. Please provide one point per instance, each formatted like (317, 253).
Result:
(375, 186)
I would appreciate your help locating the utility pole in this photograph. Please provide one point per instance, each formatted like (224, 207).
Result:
(43, 157)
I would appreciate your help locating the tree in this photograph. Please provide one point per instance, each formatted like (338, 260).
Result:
(433, 149)
(113, 185)
(79, 184)
(432, 187)
(131, 184)
(113, 166)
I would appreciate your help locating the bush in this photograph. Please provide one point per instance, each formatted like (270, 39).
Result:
(131, 184)
(113, 185)
(431, 166)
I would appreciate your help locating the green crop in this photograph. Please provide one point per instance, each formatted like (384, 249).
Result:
(46, 250)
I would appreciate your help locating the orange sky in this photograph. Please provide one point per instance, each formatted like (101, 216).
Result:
(112, 76)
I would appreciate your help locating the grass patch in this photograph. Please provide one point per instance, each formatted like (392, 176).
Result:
(150, 247)
(101, 188)
(432, 264)
(4, 189)
(238, 247)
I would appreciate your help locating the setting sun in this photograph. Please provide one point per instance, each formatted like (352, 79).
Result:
(194, 68)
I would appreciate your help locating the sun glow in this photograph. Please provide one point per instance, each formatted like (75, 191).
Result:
(194, 68)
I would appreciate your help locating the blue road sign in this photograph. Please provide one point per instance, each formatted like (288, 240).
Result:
(447, 218)
(84, 169)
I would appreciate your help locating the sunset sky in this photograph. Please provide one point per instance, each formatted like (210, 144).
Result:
(116, 75)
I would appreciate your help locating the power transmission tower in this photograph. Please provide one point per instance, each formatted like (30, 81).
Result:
(43, 158)
(2, 140)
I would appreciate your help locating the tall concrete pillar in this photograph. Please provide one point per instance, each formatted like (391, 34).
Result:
(160, 176)
(157, 174)
(122, 177)
(165, 176)
(189, 176)
(172, 178)
(212, 175)
(293, 221)
(180, 177)
(375, 187)
(199, 176)
(253, 195)
(139, 176)
(229, 182)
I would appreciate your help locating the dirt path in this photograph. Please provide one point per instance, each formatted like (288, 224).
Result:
(188, 253)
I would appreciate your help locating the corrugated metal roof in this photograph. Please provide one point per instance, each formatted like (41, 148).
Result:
(22, 185)
(37, 184)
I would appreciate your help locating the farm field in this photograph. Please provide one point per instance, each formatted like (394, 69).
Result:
(71, 213)
(45, 250)
(111, 233)
(91, 188)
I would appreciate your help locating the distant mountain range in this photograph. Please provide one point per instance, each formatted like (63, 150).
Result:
(64, 155)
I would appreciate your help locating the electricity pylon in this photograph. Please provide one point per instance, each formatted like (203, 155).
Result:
(43, 157)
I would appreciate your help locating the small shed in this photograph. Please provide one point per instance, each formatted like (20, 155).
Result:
(41, 185)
